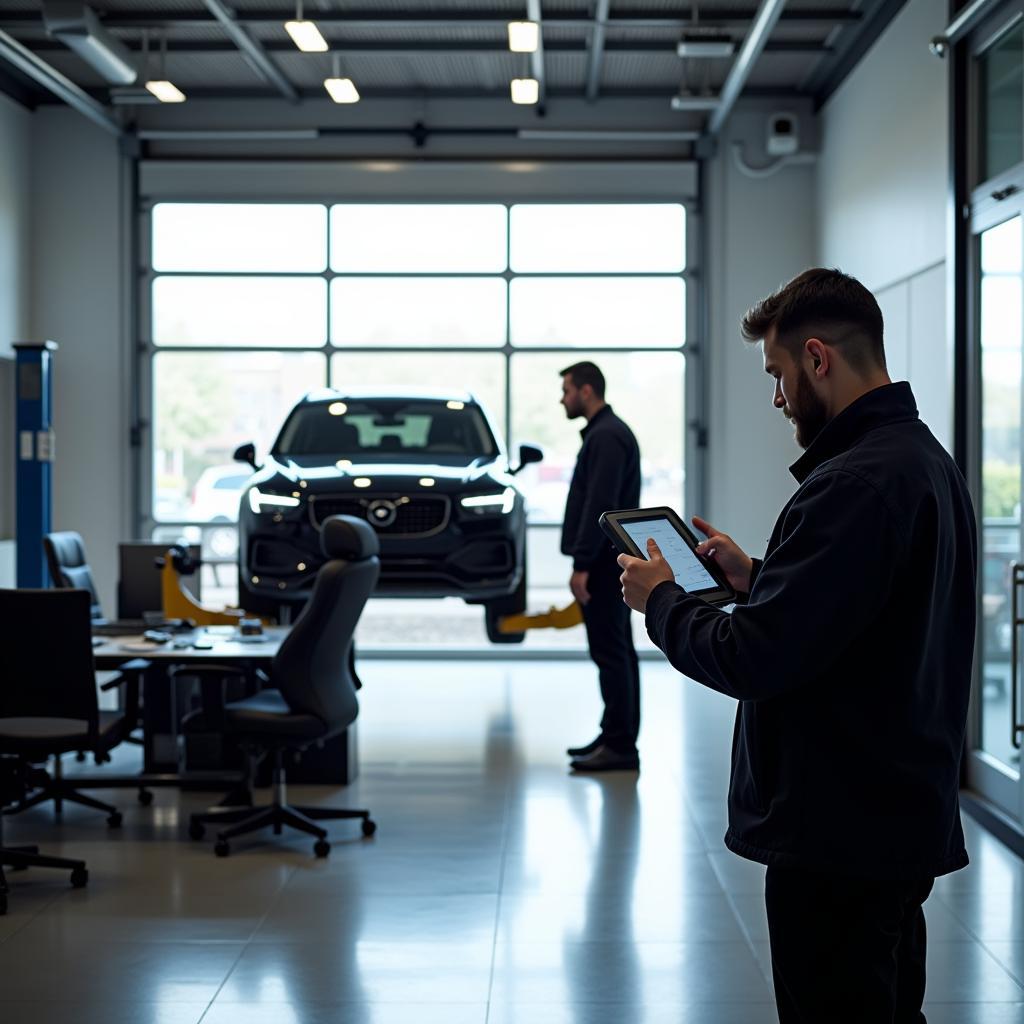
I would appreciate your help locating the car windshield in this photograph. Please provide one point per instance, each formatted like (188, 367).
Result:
(384, 430)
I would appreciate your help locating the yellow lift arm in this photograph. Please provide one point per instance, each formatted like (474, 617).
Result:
(554, 618)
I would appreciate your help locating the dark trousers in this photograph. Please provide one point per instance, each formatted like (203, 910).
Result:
(846, 950)
(610, 638)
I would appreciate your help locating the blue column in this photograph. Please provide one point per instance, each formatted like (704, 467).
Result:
(34, 454)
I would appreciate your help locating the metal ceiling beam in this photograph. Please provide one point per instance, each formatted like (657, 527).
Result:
(420, 19)
(251, 49)
(850, 48)
(767, 18)
(597, 45)
(642, 48)
(53, 81)
(537, 57)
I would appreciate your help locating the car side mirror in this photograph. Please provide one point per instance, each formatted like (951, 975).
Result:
(528, 453)
(246, 453)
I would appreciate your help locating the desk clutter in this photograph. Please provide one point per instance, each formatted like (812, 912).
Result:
(204, 639)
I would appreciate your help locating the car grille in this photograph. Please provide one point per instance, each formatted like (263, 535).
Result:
(392, 515)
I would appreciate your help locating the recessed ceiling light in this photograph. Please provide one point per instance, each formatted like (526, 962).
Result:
(706, 45)
(165, 91)
(523, 36)
(306, 36)
(342, 90)
(525, 90)
(337, 408)
(687, 101)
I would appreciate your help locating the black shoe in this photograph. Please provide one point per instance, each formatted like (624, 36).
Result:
(604, 759)
(587, 750)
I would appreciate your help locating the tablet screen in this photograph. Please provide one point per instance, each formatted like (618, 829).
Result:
(689, 573)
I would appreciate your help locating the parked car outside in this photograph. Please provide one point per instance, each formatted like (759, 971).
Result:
(425, 470)
(215, 499)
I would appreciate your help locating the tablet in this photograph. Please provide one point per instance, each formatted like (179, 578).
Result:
(629, 531)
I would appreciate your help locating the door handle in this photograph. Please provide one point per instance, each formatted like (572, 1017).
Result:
(1016, 728)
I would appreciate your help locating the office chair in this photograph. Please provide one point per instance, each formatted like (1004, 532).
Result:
(312, 694)
(69, 569)
(14, 780)
(48, 704)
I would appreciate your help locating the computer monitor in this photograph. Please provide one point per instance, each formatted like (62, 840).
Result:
(139, 585)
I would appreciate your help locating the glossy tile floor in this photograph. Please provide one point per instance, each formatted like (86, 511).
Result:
(498, 889)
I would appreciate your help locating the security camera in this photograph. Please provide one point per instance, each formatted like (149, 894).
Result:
(783, 138)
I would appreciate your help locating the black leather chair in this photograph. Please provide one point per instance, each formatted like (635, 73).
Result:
(13, 785)
(65, 555)
(48, 701)
(312, 690)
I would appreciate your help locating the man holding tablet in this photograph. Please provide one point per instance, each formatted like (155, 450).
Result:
(850, 652)
(607, 475)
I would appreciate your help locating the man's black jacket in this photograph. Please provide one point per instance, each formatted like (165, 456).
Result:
(607, 477)
(852, 656)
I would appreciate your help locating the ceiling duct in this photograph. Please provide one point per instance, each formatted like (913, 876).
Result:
(79, 29)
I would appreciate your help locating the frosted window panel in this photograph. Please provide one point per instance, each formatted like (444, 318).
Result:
(425, 311)
(205, 404)
(598, 312)
(419, 239)
(240, 237)
(289, 312)
(1001, 248)
(480, 373)
(645, 388)
(599, 238)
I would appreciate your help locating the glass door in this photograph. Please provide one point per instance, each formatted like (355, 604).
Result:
(1000, 307)
(996, 325)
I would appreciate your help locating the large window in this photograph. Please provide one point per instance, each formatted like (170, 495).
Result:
(249, 306)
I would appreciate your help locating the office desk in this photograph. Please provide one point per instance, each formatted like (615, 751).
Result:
(159, 709)
(160, 712)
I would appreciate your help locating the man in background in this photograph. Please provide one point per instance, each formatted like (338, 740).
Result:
(607, 476)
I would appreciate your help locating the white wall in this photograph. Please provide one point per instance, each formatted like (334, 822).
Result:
(763, 232)
(882, 181)
(15, 166)
(77, 299)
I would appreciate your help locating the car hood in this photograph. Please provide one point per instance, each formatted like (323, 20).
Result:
(324, 474)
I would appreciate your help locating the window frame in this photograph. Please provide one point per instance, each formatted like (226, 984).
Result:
(694, 439)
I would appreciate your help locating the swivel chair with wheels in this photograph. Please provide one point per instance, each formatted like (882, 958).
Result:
(12, 788)
(48, 702)
(312, 691)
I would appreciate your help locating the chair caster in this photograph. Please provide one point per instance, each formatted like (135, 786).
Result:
(145, 797)
(196, 830)
(79, 878)
(222, 848)
(115, 819)
(369, 827)
(80, 756)
(321, 847)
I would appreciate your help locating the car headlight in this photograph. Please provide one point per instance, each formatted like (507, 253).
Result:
(260, 501)
(500, 501)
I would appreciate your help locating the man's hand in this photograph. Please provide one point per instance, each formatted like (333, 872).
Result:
(640, 576)
(578, 585)
(724, 551)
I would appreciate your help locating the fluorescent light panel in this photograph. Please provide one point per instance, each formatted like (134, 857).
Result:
(684, 102)
(306, 36)
(706, 47)
(523, 36)
(342, 90)
(525, 90)
(165, 91)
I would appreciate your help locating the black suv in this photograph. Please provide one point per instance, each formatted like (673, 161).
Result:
(425, 471)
